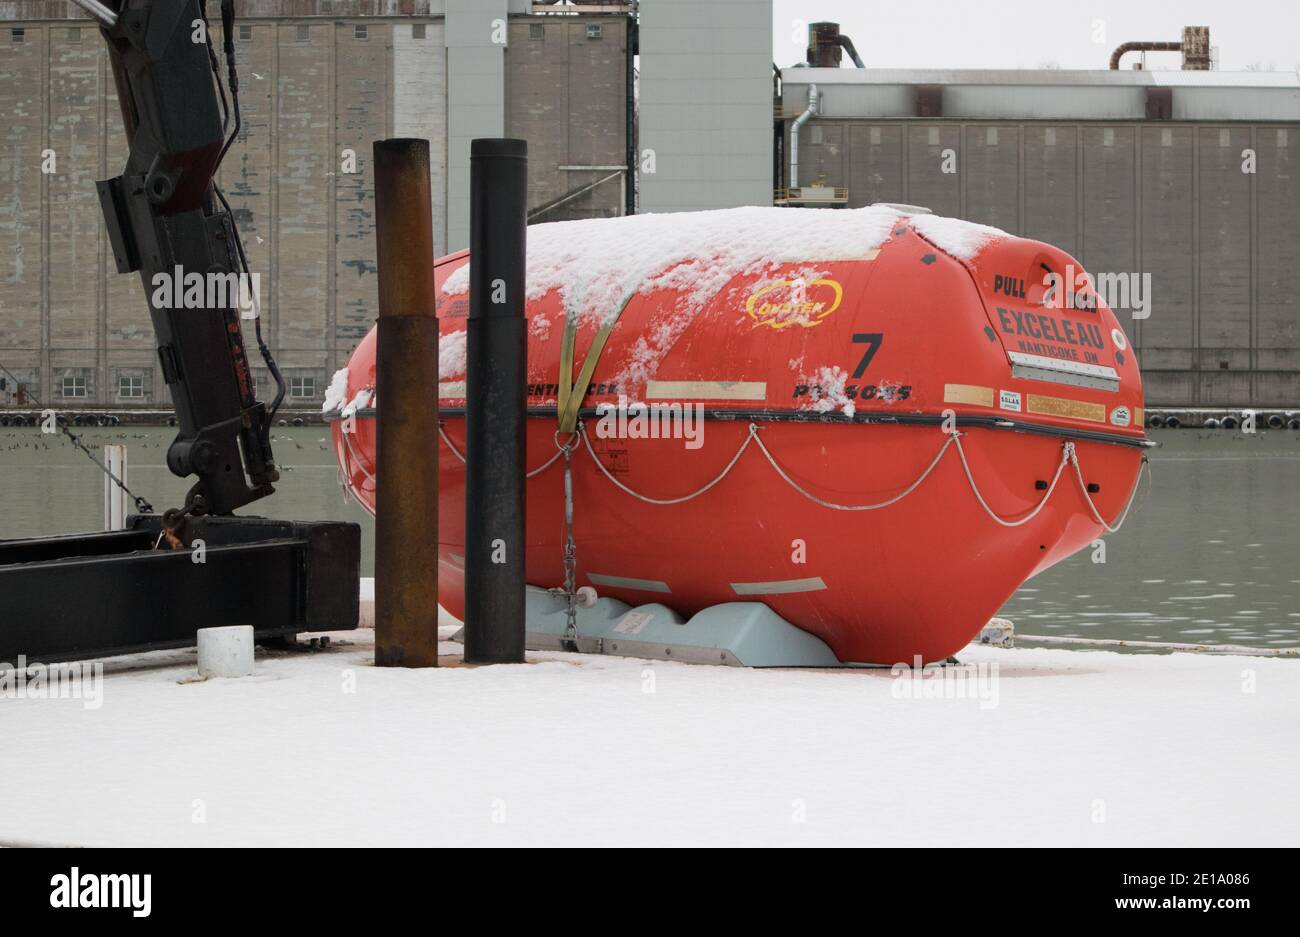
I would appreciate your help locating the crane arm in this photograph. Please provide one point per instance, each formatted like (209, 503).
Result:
(167, 220)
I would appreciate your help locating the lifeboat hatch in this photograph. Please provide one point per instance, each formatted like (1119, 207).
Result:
(1049, 327)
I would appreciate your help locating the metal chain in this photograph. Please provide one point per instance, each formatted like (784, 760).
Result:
(570, 640)
(141, 505)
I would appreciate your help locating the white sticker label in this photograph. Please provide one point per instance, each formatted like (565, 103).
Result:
(633, 622)
(1118, 338)
(1009, 400)
(1120, 416)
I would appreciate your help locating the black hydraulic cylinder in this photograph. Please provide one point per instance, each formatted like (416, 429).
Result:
(496, 403)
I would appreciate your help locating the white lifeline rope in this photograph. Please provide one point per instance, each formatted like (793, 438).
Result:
(753, 436)
(853, 507)
(352, 456)
(1067, 454)
(345, 475)
(537, 471)
(1078, 473)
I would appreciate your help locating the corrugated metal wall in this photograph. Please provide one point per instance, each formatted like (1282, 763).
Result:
(1169, 199)
(311, 88)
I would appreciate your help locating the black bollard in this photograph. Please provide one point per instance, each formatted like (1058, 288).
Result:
(496, 403)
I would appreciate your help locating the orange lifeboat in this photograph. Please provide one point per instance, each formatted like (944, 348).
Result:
(879, 422)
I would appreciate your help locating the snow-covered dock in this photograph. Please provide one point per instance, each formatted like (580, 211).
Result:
(1051, 747)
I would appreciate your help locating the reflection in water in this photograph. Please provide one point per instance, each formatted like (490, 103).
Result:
(1209, 555)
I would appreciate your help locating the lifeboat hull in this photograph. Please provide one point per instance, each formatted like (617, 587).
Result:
(886, 450)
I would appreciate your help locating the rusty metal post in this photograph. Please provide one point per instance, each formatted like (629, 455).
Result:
(406, 510)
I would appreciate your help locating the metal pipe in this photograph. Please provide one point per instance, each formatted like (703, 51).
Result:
(106, 17)
(570, 196)
(1127, 47)
(794, 134)
(1166, 645)
(495, 403)
(823, 45)
(116, 504)
(630, 114)
(847, 45)
(406, 508)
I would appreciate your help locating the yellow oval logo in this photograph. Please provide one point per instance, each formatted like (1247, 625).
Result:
(784, 303)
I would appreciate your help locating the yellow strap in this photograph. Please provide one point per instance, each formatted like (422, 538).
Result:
(572, 392)
(566, 365)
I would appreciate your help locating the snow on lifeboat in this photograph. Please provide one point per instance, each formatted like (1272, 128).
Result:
(904, 417)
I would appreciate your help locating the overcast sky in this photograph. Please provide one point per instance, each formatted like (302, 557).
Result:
(1032, 33)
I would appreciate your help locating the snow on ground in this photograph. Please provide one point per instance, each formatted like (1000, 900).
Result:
(1081, 748)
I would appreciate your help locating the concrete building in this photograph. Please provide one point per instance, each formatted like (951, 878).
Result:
(705, 107)
(319, 82)
(1192, 177)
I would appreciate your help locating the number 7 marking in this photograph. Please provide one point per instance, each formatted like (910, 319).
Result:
(873, 341)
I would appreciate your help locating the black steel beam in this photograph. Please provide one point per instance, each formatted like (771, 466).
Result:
(96, 595)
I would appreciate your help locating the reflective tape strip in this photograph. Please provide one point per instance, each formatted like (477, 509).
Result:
(1025, 372)
(1056, 364)
(782, 587)
(968, 393)
(1061, 406)
(706, 390)
(451, 389)
(626, 582)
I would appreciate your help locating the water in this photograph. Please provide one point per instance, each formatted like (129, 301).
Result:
(48, 486)
(1209, 555)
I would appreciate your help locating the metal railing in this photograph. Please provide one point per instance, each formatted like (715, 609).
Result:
(811, 195)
